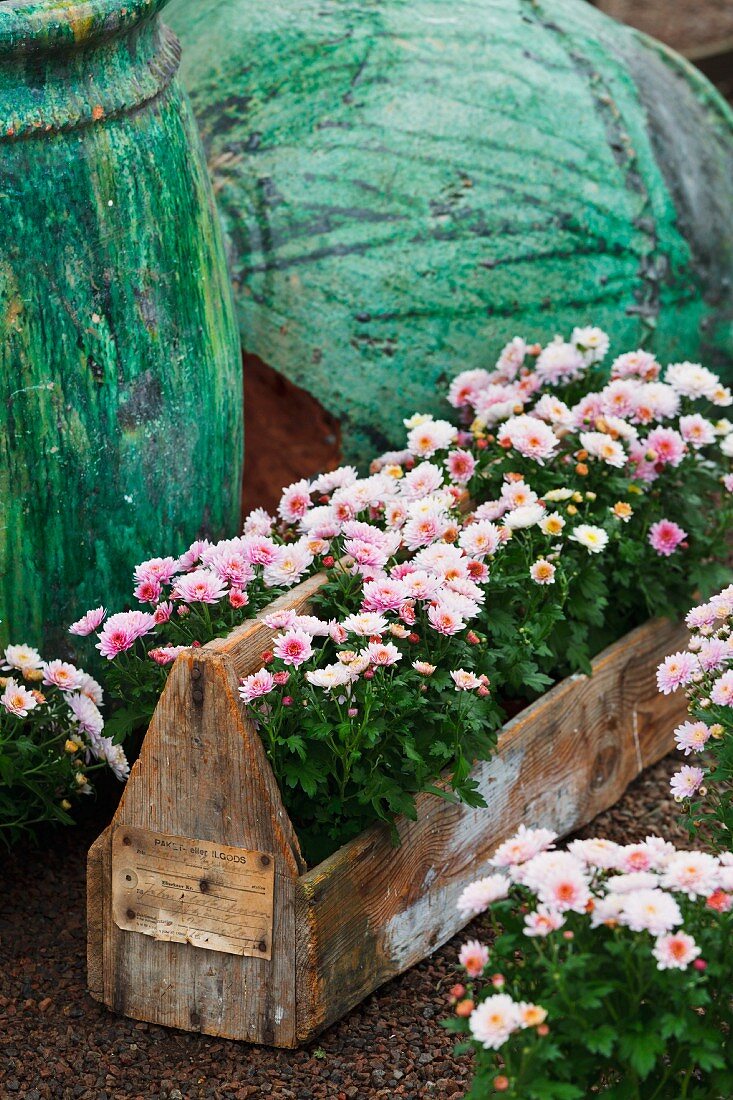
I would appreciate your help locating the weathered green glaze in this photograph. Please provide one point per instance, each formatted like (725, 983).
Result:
(120, 376)
(406, 184)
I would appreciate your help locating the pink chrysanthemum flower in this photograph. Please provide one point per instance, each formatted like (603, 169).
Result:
(88, 686)
(473, 956)
(255, 686)
(636, 364)
(675, 671)
(163, 612)
(465, 387)
(259, 522)
(62, 675)
(17, 699)
(86, 714)
(531, 437)
(559, 362)
(114, 755)
(675, 951)
(292, 563)
(685, 782)
(596, 852)
(634, 858)
(430, 436)
(692, 737)
(461, 465)
(230, 564)
(364, 624)
(425, 479)
(465, 681)
(445, 619)
(601, 446)
(511, 358)
(122, 630)
(295, 501)
(714, 653)
(386, 595)
(722, 693)
(420, 585)
(651, 911)
(542, 572)
(156, 569)
(523, 846)
(294, 647)
(518, 494)
(166, 654)
(480, 539)
(494, 1020)
(193, 555)
(260, 549)
(478, 896)
(542, 922)
(564, 888)
(23, 657)
(88, 623)
(697, 430)
(665, 536)
(199, 586)
(383, 654)
(668, 446)
(693, 873)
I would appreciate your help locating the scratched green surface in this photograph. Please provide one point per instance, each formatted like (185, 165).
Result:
(120, 378)
(406, 184)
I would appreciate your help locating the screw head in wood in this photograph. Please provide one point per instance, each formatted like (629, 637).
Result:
(265, 861)
(262, 946)
(130, 914)
(204, 886)
(197, 695)
(126, 840)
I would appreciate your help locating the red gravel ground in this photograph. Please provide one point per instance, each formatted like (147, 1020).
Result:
(56, 1043)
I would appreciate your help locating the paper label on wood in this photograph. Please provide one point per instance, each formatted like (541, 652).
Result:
(193, 891)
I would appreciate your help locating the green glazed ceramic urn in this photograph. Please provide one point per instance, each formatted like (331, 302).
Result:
(120, 370)
(406, 184)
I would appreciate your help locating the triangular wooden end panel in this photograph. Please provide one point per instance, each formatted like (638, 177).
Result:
(202, 774)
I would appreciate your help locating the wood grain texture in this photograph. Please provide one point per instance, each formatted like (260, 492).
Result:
(203, 773)
(371, 911)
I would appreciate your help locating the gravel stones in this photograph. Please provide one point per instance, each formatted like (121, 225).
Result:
(56, 1043)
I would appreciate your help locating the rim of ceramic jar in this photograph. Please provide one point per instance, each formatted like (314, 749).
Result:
(35, 25)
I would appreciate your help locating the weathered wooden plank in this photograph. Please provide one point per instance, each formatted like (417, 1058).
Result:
(370, 911)
(95, 916)
(203, 773)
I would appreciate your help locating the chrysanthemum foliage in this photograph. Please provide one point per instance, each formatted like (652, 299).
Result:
(608, 974)
(51, 739)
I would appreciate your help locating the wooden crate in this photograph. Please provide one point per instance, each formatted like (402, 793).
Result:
(370, 911)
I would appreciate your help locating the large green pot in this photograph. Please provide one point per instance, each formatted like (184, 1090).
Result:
(406, 184)
(120, 375)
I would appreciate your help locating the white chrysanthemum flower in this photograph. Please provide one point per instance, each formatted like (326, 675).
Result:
(594, 539)
(478, 896)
